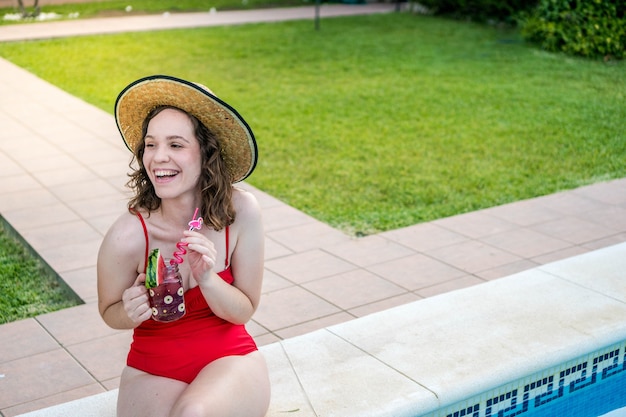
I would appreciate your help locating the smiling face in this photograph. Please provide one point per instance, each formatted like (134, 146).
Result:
(171, 154)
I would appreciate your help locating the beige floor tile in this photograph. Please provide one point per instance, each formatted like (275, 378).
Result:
(34, 149)
(473, 256)
(64, 175)
(568, 203)
(610, 192)
(111, 384)
(39, 376)
(63, 397)
(102, 224)
(524, 213)
(84, 190)
(369, 250)
(424, 236)
(76, 325)
(452, 285)
(274, 282)
(112, 169)
(313, 325)
(607, 241)
(308, 236)
(44, 163)
(104, 357)
(274, 249)
(385, 304)
(9, 167)
(475, 225)
(12, 130)
(613, 218)
(353, 289)
(27, 199)
(24, 219)
(17, 183)
(282, 217)
(574, 230)
(102, 154)
(308, 266)
(72, 256)
(291, 306)
(66, 136)
(416, 272)
(255, 329)
(526, 243)
(83, 283)
(54, 235)
(506, 270)
(266, 339)
(24, 338)
(559, 255)
(114, 204)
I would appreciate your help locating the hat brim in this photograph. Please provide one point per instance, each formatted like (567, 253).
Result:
(236, 140)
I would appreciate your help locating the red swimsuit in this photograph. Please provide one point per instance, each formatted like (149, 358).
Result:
(180, 349)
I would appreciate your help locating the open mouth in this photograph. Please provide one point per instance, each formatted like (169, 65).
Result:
(164, 174)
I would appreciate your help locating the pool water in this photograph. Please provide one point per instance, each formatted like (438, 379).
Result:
(604, 397)
(589, 386)
(620, 412)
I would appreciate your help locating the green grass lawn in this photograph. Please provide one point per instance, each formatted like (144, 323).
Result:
(28, 288)
(382, 121)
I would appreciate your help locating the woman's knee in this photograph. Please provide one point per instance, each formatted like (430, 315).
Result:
(188, 407)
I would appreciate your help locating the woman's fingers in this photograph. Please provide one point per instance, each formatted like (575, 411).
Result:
(136, 302)
(200, 244)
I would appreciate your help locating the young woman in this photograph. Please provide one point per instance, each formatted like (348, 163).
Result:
(190, 148)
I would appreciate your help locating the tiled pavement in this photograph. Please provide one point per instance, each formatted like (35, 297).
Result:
(62, 169)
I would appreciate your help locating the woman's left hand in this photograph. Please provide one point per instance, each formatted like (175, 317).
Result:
(201, 255)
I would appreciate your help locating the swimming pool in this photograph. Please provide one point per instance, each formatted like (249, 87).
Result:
(588, 386)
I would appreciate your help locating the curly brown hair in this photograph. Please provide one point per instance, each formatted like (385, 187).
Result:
(215, 186)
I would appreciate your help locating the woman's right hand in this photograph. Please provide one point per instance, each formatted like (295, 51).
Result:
(136, 302)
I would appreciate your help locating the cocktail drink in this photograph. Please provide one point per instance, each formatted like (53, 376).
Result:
(167, 299)
(164, 284)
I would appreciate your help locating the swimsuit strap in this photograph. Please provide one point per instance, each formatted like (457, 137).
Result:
(145, 232)
(226, 260)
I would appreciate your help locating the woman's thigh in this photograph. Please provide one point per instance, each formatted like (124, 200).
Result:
(230, 386)
(145, 395)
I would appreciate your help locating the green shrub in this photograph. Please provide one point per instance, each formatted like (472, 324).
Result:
(480, 10)
(588, 28)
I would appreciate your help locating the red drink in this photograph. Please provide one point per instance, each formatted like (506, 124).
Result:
(167, 299)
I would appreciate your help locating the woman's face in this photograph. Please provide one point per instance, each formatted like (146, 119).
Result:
(172, 154)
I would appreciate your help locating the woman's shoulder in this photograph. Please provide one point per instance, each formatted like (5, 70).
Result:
(247, 208)
(126, 232)
(245, 203)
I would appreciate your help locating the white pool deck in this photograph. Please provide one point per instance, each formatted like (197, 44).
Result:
(396, 324)
(417, 357)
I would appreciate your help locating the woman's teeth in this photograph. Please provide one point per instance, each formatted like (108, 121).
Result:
(165, 173)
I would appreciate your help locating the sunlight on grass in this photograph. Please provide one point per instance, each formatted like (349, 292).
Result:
(382, 121)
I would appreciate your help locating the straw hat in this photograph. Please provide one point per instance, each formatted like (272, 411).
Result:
(138, 99)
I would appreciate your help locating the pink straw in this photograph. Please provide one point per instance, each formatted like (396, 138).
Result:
(178, 255)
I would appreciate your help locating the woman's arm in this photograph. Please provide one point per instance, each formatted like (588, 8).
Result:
(122, 297)
(238, 302)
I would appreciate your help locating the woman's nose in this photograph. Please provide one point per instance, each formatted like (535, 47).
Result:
(161, 154)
